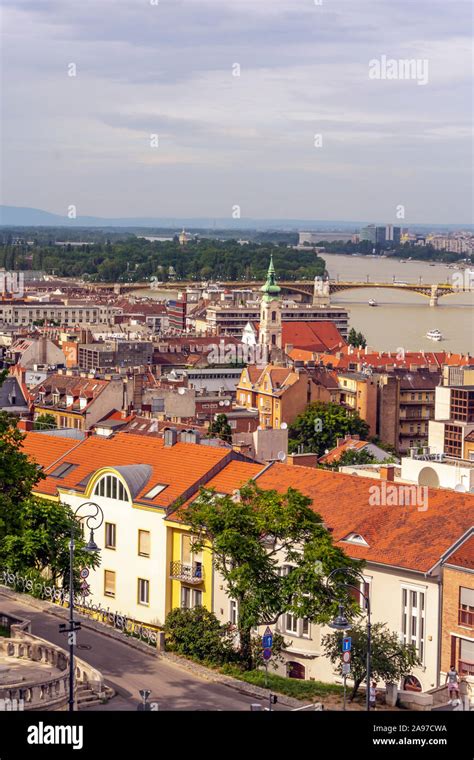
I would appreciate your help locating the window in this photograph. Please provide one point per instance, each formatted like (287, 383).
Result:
(143, 591)
(109, 583)
(364, 589)
(413, 618)
(233, 612)
(111, 487)
(63, 469)
(296, 670)
(190, 597)
(144, 543)
(155, 491)
(466, 606)
(110, 537)
(291, 623)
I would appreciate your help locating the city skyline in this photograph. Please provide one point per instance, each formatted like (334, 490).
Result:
(303, 132)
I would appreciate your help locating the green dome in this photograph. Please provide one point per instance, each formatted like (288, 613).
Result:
(270, 289)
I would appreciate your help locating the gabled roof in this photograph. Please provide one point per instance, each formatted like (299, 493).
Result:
(401, 536)
(350, 445)
(464, 556)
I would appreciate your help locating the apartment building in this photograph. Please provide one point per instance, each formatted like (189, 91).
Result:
(457, 646)
(279, 394)
(406, 404)
(76, 401)
(453, 420)
(115, 353)
(26, 313)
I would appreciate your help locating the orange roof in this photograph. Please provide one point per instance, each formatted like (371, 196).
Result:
(399, 536)
(179, 467)
(464, 556)
(46, 449)
(228, 480)
(338, 451)
(313, 336)
(348, 356)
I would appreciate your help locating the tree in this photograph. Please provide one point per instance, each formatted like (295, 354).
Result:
(352, 457)
(18, 474)
(320, 425)
(41, 543)
(390, 660)
(251, 537)
(356, 339)
(45, 422)
(221, 428)
(197, 633)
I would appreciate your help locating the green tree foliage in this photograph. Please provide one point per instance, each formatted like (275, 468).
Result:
(356, 339)
(251, 537)
(132, 259)
(220, 427)
(45, 422)
(352, 457)
(41, 543)
(18, 474)
(320, 425)
(197, 633)
(390, 660)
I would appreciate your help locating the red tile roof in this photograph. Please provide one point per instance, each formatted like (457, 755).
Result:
(397, 535)
(312, 336)
(338, 451)
(46, 449)
(179, 467)
(464, 556)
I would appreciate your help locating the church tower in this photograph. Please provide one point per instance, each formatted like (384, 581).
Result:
(270, 333)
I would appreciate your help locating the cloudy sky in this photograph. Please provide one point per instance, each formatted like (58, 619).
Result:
(168, 68)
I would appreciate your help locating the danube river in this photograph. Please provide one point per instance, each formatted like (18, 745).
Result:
(401, 319)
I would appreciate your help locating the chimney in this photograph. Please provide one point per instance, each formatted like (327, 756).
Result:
(25, 425)
(170, 437)
(387, 472)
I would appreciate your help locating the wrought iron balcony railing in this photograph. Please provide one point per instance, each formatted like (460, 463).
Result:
(191, 572)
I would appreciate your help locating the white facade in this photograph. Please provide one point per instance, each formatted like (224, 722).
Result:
(450, 474)
(124, 560)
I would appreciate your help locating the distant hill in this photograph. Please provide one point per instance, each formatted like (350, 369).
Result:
(19, 216)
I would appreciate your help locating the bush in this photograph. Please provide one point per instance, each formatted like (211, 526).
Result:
(197, 633)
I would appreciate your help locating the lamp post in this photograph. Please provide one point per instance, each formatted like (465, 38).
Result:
(95, 518)
(340, 622)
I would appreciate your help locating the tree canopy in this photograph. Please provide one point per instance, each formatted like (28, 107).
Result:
(252, 537)
(320, 425)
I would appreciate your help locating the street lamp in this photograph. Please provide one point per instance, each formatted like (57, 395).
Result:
(340, 622)
(95, 518)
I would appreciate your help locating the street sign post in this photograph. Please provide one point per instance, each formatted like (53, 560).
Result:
(84, 572)
(346, 661)
(346, 644)
(267, 653)
(267, 643)
(346, 657)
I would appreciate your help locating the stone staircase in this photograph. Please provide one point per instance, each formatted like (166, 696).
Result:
(86, 697)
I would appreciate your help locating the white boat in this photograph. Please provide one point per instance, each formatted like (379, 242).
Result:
(372, 302)
(434, 335)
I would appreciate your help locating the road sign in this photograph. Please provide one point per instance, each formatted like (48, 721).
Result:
(346, 644)
(346, 668)
(267, 653)
(267, 639)
(346, 656)
(84, 572)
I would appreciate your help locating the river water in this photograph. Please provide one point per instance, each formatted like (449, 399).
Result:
(401, 318)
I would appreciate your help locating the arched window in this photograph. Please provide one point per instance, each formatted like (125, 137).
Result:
(296, 670)
(110, 487)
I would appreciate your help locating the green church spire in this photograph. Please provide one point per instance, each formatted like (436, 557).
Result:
(270, 290)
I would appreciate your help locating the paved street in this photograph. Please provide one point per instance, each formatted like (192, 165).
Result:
(127, 670)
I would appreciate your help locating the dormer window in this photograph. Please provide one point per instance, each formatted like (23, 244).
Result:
(69, 399)
(355, 538)
(55, 398)
(82, 402)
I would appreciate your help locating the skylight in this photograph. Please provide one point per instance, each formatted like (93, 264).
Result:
(62, 470)
(155, 491)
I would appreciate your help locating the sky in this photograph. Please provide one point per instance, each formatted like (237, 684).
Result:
(263, 108)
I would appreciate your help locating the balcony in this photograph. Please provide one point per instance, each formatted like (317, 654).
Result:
(191, 573)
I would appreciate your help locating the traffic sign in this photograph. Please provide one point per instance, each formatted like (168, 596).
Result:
(346, 656)
(84, 572)
(346, 644)
(267, 639)
(346, 668)
(267, 653)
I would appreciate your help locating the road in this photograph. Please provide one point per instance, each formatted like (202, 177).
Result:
(127, 669)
